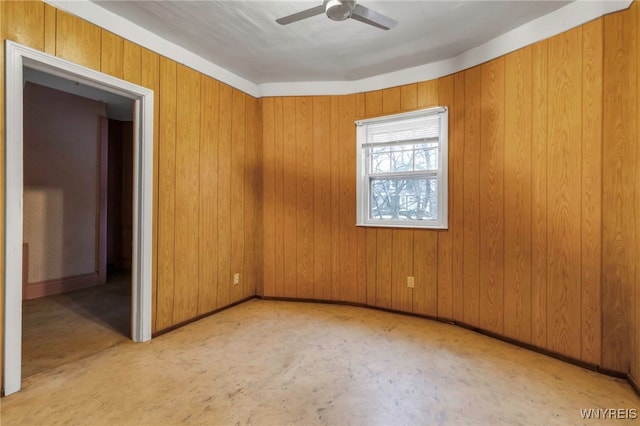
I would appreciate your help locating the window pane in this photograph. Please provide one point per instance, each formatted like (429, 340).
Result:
(381, 160)
(404, 199)
(426, 156)
(404, 158)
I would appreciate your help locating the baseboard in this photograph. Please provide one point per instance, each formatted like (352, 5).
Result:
(62, 285)
(328, 302)
(613, 373)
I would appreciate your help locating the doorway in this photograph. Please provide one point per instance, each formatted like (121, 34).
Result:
(77, 190)
(19, 58)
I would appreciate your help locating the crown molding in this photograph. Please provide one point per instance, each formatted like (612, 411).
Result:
(556, 22)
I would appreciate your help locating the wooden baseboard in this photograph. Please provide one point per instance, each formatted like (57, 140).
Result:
(62, 285)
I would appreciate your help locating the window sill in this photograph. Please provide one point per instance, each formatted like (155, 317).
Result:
(411, 225)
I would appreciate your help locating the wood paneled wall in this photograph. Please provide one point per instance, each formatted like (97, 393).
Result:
(621, 194)
(207, 162)
(541, 245)
(544, 223)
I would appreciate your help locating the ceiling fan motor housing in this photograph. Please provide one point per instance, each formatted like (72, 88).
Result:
(339, 10)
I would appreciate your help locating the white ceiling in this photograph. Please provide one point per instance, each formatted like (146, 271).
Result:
(243, 37)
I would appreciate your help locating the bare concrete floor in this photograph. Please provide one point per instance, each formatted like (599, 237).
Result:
(280, 363)
(70, 326)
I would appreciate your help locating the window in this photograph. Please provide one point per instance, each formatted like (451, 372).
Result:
(402, 170)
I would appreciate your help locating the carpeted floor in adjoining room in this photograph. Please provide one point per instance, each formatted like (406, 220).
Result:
(278, 363)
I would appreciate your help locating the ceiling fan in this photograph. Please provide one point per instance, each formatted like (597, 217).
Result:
(340, 10)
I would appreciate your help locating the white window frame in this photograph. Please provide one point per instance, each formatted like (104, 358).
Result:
(363, 196)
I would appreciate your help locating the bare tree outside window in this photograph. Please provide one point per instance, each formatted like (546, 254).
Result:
(404, 198)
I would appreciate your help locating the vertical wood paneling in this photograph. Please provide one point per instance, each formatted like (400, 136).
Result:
(564, 194)
(591, 225)
(428, 94)
(252, 199)
(112, 54)
(425, 271)
(304, 197)
(321, 198)
(456, 216)
(208, 221)
(23, 22)
(517, 196)
(225, 280)
(373, 107)
(620, 136)
(372, 261)
(238, 139)
(384, 253)
(445, 242)
(361, 233)
(290, 173)
(131, 66)
(166, 193)
(78, 41)
(401, 268)
(492, 197)
(348, 249)
(336, 182)
(634, 370)
(50, 23)
(373, 103)
(279, 176)
(251, 185)
(269, 209)
(391, 100)
(409, 97)
(539, 99)
(151, 79)
(471, 193)
(187, 195)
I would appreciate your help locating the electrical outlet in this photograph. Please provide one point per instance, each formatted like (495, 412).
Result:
(236, 279)
(410, 282)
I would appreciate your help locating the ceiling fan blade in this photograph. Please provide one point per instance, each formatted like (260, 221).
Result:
(318, 10)
(371, 17)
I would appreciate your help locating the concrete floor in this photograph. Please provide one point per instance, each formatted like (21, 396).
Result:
(279, 363)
